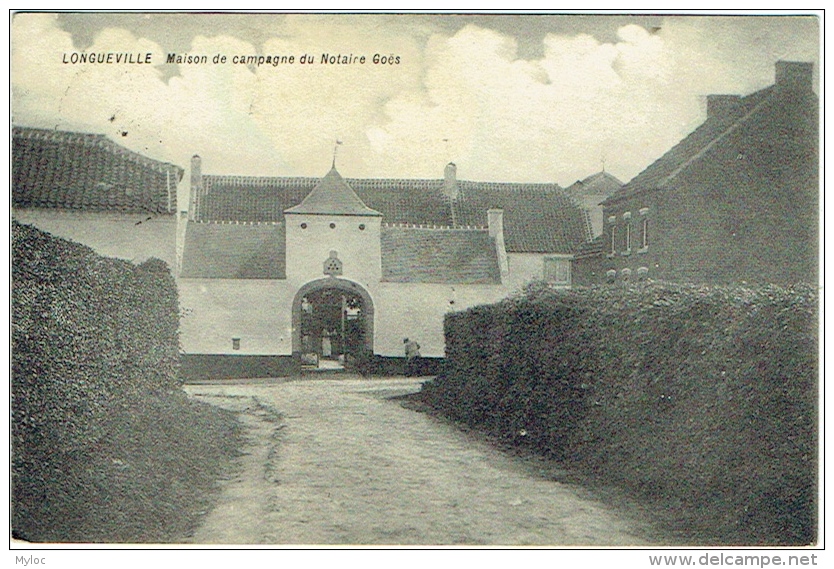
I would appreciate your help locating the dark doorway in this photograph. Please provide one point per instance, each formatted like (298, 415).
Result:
(332, 321)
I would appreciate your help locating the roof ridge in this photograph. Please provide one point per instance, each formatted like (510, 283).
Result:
(723, 125)
(250, 178)
(94, 139)
(732, 126)
(432, 227)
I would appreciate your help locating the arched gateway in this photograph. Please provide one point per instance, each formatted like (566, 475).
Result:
(350, 290)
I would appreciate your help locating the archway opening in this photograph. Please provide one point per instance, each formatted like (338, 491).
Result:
(332, 322)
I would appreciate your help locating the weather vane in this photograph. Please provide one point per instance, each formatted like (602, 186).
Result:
(335, 148)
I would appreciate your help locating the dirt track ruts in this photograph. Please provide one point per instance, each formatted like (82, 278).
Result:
(333, 461)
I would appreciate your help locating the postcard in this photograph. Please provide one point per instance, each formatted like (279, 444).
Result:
(416, 280)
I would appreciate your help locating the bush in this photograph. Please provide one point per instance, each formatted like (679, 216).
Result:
(94, 378)
(702, 396)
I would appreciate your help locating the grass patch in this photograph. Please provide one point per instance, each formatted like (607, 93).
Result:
(150, 479)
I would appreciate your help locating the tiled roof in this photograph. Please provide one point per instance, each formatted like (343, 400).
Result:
(591, 248)
(234, 251)
(70, 170)
(445, 256)
(601, 183)
(664, 169)
(332, 196)
(537, 217)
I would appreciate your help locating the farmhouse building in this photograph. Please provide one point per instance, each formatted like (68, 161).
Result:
(86, 188)
(735, 201)
(280, 267)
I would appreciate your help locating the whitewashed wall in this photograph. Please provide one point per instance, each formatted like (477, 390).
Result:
(132, 237)
(259, 312)
(416, 311)
(216, 310)
(359, 250)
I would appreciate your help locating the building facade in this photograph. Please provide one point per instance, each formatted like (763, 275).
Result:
(86, 188)
(265, 258)
(736, 201)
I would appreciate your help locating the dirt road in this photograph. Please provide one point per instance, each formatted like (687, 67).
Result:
(333, 461)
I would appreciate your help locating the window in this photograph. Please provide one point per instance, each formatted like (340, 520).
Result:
(235, 343)
(644, 229)
(628, 237)
(613, 239)
(644, 233)
(557, 270)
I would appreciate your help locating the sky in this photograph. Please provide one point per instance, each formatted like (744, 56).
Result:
(528, 98)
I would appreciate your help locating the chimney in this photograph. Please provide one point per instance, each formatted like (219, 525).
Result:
(721, 105)
(794, 75)
(450, 181)
(495, 221)
(196, 185)
(196, 171)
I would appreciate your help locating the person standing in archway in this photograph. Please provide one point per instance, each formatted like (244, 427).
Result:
(326, 345)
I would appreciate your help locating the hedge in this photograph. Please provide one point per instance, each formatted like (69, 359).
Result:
(94, 388)
(703, 397)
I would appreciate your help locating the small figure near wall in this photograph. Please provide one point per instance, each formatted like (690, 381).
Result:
(412, 357)
(326, 345)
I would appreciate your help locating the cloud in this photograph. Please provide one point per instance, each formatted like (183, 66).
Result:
(460, 94)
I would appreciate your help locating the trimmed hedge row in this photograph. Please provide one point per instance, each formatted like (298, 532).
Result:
(703, 397)
(95, 394)
(88, 334)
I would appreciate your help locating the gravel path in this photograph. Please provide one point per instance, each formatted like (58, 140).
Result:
(333, 461)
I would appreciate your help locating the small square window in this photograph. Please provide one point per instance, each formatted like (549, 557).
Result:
(235, 343)
(557, 270)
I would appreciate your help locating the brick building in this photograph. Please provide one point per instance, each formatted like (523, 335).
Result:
(735, 201)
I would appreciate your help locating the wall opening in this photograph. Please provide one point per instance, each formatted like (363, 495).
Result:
(332, 317)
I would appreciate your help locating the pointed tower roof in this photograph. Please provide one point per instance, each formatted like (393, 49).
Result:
(600, 183)
(333, 196)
